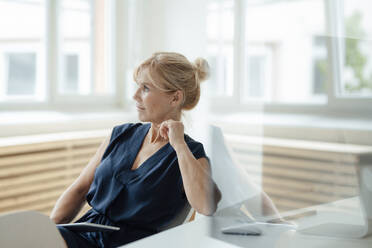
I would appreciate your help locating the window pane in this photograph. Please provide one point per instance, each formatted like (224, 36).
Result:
(84, 51)
(21, 74)
(357, 54)
(76, 30)
(286, 37)
(220, 34)
(256, 68)
(220, 20)
(22, 32)
(71, 72)
(257, 72)
(221, 76)
(320, 66)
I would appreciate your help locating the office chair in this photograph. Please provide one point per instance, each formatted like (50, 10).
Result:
(185, 215)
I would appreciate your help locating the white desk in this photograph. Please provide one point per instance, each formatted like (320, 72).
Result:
(205, 232)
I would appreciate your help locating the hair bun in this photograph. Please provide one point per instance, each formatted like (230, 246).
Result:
(202, 69)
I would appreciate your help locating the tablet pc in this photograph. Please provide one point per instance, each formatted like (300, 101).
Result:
(89, 227)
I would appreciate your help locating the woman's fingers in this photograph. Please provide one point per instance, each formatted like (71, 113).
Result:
(164, 130)
(171, 131)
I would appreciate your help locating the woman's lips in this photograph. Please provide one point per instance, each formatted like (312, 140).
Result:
(139, 107)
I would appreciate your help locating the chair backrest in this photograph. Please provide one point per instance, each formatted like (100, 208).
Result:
(233, 181)
(29, 229)
(184, 216)
(364, 172)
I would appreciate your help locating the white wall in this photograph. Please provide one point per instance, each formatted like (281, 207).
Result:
(170, 25)
(175, 26)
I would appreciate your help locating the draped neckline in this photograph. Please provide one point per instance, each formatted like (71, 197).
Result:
(140, 138)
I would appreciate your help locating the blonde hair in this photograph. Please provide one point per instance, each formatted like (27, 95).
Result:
(170, 72)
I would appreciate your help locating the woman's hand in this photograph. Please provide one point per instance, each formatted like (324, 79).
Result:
(173, 131)
(201, 192)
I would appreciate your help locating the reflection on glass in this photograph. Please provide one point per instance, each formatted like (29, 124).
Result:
(256, 68)
(22, 36)
(320, 66)
(258, 72)
(220, 35)
(284, 32)
(316, 175)
(316, 188)
(221, 64)
(357, 68)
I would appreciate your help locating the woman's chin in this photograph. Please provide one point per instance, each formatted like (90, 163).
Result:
(141, 117)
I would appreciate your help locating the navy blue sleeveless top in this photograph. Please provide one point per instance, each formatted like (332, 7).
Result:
(140, 201)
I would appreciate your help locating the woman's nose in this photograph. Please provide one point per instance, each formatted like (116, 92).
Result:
(135, 96)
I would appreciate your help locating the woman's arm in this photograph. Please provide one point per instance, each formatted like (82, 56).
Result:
(202, 193)
(73, 199)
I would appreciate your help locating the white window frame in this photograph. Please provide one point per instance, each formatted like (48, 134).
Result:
(335, 28)
(56, 101)
(355, 106)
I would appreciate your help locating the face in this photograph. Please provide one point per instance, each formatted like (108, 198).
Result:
(153, 105)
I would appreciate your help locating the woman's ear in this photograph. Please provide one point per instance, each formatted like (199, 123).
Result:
(177, 98)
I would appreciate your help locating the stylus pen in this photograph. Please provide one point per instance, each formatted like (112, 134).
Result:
(242, 233)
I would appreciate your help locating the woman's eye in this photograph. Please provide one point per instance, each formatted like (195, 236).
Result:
(145, 88)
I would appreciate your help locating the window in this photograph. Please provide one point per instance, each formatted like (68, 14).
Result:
(22, 38)
(56, 52)
(320, 66)
(356, 48)
(21, 74)
(71, 73)
(286, 29)
(75, 47)
(220, 33)
(257, 73)
(293, 52)
(84, 53)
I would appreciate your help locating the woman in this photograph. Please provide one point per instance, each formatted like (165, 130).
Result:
(144, 174)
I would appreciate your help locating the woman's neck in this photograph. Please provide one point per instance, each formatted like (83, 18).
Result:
(154, 134)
